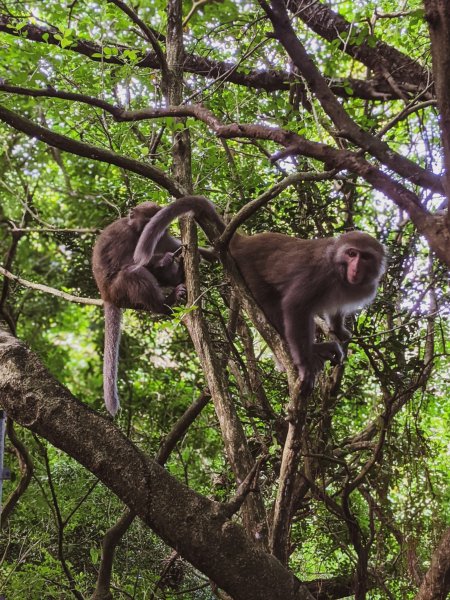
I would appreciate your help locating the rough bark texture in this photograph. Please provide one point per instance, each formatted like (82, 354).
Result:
(193, 525)
(235, 442)
(114, 535)
(436, 583)
(382, 58)
(438, 17)
(413, 75)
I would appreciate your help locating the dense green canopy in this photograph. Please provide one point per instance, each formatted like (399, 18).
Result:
(317, 117)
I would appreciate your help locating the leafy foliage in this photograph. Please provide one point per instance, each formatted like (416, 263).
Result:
(52, 205)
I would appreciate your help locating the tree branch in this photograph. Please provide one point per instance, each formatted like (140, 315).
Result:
(436, 583)
(432, 227)
(347, 128)
(49, 290)
(89, 151)
(26, 472)
(438, 17)
(268, 80)
(251, 207)
(146, 31)
(182, 518)
(181, 426)
(374, 53)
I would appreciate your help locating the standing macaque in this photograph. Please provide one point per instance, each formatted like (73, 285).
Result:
(122, 284)
(291, 279)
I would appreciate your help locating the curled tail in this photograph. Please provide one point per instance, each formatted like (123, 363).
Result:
(113, 319)
(154, 230)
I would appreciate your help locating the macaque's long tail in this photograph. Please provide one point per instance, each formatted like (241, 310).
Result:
(154, 230)
(113, 320)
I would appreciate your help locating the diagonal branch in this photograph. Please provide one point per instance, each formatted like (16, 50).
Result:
(192, 524)
(295, 143)
(26, 472)
(332, 26)
(88, 150)
(438, 17)
(347, 128)
(432, 227)
(436, 583)
(149, 34)
(115, 533)
(49, 290)
(270, 81)
(251, 207)
(181, 426)
(290, 461)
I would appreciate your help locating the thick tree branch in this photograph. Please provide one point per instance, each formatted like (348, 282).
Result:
(182, 518)
(234, 439)
(268, 80)
(438, 17)
(113, 536)
(295, 144)
(88, 150)
(432, 227)
(347, 128)
(436, 583)
(332, 26)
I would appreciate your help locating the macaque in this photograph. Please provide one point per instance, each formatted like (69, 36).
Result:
(291, 279)
(122, 284)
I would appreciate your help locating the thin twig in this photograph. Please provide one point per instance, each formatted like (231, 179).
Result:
(49, 290)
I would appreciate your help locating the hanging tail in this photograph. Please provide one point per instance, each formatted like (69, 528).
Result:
(113, 320)
(154, 230)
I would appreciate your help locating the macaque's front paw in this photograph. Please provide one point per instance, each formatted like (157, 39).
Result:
(181, 293)
(322, 352)
(167, 260)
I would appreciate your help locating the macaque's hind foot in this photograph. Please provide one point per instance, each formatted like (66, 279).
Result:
(308, 379)
(331, 351)
(322, 352)
(177, 296)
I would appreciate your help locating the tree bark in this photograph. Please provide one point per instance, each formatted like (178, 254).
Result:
(438, 17)
(436, 583)
(197, 527)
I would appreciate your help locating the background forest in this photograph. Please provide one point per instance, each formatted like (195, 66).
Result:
(217, 479)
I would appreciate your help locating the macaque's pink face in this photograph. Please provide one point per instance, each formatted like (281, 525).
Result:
(360, 266)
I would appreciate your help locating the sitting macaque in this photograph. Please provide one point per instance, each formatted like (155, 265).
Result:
(122, 284)
(291, 279)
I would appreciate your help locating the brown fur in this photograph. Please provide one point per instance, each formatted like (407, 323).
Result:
(292, 279)
(122, 284)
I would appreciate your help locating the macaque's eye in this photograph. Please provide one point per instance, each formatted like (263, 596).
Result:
(351, 253)
(366, 256)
